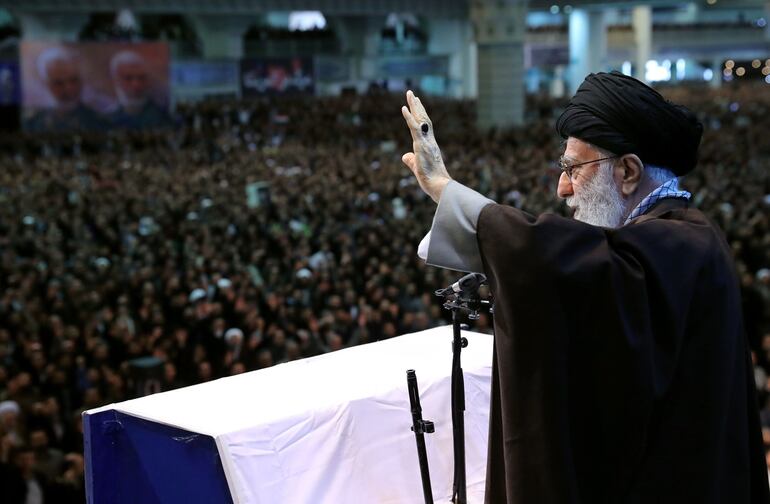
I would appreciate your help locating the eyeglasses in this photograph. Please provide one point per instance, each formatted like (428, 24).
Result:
(569, 168)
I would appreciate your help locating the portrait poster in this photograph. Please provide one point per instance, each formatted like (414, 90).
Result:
(94, 86)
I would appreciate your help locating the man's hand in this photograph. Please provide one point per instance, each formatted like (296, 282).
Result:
(425, 162)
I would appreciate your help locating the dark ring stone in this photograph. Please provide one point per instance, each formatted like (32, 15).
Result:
(424, 127)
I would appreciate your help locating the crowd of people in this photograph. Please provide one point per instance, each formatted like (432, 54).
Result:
(261, 232)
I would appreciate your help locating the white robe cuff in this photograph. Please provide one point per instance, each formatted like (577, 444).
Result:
(451, 242)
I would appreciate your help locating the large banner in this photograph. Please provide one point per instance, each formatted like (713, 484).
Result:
(10, 92)
(94, 86)
(270, 76)
(405, 67)
(10, 95)
(204, 74)
(196, 80)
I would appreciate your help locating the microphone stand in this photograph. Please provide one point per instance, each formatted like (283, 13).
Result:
(458, 297)
(459, 493)
(420, 428)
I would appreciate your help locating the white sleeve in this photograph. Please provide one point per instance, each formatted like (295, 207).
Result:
(422, 249)
(451, 242)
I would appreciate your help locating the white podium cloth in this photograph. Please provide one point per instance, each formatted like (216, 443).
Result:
(336, 428)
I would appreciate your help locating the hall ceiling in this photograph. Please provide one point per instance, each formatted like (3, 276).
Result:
(438, 8)
(720, 4)
(349, 7)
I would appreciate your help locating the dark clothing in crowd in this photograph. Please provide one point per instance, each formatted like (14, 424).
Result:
(150, 117)
(82, 118)
(295, 222)
(12, 484)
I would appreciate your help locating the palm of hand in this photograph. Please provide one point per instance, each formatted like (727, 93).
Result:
(425, 162)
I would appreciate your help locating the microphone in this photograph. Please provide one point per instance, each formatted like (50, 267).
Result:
(467, 284)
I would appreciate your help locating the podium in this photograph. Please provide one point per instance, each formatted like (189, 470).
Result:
(333, 428)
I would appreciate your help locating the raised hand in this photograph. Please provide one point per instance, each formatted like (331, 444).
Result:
(425, 162)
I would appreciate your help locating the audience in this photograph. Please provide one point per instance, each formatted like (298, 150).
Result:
(266, 231)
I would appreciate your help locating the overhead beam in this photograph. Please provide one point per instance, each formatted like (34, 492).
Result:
(444, 8)
(335, 7)
(721, 4)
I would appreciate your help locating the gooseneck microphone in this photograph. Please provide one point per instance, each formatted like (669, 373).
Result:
(468, 284)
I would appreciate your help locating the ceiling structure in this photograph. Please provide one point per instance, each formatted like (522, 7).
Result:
(439, 8)
(341, 7)
(719, 4)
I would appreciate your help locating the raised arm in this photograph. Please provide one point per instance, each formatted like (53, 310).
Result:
(425, 162)
(451, 243)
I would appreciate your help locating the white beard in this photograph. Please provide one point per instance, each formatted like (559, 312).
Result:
(128, 103)
(66, 106)
(599, 202)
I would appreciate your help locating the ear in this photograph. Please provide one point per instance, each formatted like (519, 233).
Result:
(633, 169)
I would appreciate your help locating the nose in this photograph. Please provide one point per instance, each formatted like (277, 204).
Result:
(73, 90)
(564, 190)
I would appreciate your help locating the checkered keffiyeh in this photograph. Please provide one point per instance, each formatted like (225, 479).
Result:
(669, 189)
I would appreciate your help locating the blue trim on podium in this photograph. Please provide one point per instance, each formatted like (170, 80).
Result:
(131, 460)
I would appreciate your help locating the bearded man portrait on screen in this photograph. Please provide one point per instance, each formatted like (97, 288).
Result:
(59, 69)
(136, 107)
(621, 370)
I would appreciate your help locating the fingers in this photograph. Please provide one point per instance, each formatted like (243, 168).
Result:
(411, 123)
(416, 108)
(417, 119)
(409, 160)
(414, 126)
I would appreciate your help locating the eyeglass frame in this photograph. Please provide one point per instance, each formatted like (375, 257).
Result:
(569, 168)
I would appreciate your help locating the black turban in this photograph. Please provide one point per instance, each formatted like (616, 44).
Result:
(624, 116)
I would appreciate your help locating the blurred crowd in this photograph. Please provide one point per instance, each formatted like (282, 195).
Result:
(262, 232)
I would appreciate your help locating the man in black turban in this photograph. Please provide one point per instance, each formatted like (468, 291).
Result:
(620, 371)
